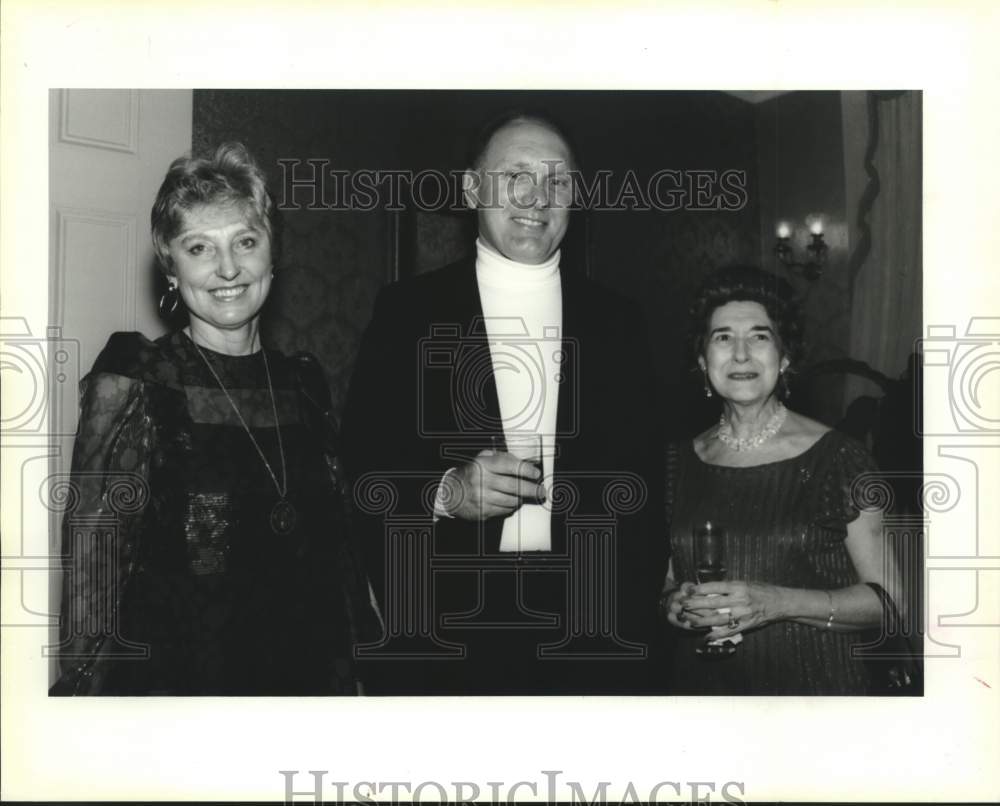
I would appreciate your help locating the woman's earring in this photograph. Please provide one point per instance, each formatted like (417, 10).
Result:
(169, 301)
(708, 387)
(785, 392)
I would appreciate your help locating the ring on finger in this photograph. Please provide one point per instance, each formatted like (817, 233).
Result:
(733, 622)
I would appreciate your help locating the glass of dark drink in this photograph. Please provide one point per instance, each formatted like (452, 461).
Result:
(710, 566)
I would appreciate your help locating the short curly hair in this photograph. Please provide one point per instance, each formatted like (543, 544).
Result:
(749, 284)
(231, 176)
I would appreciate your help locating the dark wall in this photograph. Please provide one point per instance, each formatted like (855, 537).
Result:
(800, 141)
(659, 257)
(335, 261)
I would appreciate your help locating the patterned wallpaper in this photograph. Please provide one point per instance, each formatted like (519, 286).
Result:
(333, 261)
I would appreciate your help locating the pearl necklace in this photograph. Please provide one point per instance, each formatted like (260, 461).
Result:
(725, 432)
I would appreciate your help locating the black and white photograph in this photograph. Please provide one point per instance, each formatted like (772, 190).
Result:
(344, 409)
(480, 411)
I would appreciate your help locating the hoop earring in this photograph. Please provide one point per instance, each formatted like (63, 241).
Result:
(169, 302)
(708, 387)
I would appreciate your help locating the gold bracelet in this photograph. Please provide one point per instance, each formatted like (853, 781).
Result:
(833, 610)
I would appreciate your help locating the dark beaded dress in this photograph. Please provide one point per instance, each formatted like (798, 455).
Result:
(176, 581)
(785, 524)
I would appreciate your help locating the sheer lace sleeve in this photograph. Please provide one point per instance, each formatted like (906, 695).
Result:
(107, 493)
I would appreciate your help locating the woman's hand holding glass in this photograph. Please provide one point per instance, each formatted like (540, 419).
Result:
(689, 607)
(673, 604)
(726, 608)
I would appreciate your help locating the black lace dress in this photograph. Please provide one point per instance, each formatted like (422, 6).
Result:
(175, 581)
(785, 524)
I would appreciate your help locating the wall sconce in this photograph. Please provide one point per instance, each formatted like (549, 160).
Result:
(812, 268)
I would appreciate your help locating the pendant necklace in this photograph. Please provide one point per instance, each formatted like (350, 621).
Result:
(725, 432)
(283, 515)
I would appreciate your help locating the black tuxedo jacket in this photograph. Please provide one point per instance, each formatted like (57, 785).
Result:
(423, 399)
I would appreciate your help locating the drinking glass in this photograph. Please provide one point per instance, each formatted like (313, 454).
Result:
(710, 566)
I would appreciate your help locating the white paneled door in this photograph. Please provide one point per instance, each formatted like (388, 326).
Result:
(108, 152)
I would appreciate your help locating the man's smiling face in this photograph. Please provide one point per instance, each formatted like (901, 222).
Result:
(524, 191)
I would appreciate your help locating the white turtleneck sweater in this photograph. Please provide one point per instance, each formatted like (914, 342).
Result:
(522, 309)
